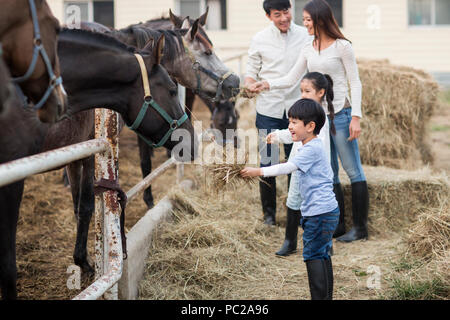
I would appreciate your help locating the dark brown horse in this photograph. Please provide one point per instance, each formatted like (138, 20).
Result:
(182, 47)
(224, 116)
(111, 78)
(28, 33)
(220, 117)
(7, 91)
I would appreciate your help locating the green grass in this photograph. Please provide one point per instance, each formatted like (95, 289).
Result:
(405, 264)
(445, 96)
(359, 273)
(440, 128)
(419, 290)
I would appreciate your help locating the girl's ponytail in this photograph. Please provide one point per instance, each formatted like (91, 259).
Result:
(323, 81)
(330, 96)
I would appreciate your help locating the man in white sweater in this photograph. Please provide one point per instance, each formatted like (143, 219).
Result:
(272, 53)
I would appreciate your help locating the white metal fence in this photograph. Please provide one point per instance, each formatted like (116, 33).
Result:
(105, 147)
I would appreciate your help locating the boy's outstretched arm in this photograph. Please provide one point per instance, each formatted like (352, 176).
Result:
(248, 172)
(272, 171)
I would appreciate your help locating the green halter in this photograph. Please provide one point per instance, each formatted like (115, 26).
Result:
(148, 101)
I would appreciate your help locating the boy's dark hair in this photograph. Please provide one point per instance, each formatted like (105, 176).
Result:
(324, 81)
(308, 110)
(276, 4)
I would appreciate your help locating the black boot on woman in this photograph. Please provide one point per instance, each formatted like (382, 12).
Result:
(360, 209)
(290, 240)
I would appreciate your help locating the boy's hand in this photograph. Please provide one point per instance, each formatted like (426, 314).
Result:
(271, 138)
(248, 172)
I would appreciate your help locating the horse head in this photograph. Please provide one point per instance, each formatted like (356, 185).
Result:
(207, 73)
(224, 118)
(29, 43)
(164, 120)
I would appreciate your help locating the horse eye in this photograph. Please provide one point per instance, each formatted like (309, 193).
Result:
(173, 93)
(208, 52)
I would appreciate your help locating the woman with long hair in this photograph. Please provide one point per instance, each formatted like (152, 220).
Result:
(331, 53)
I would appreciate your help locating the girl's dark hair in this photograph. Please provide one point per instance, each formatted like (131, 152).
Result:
(323, 81)
(276, 4)
(308, 110)
(322, 16)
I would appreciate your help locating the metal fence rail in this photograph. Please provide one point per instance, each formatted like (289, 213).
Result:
(17, 170)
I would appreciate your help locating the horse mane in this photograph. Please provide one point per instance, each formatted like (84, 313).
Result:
(144, 35)
(97, 39)
(183, 31)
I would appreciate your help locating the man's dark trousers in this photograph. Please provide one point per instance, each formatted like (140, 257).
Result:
(269, 154)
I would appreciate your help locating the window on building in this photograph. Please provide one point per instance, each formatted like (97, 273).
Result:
(429, 12)
(89, 10)
(336, 7)
(217, 15)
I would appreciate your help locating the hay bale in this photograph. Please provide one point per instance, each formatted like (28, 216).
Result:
(398, 103)
(397, 197)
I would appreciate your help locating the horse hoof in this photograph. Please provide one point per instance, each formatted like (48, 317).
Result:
(86, 266)
(149, 204)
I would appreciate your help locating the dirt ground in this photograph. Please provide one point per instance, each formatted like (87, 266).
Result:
(47, 228)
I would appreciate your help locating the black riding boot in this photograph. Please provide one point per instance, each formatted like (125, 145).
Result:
(340, 229)
(290, 240)
(268, 199)
(360, 209)
(320, 278)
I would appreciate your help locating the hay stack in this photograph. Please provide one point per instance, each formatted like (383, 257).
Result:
(398, 103)
(397, 197)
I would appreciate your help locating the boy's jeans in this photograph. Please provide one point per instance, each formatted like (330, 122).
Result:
(318, 235)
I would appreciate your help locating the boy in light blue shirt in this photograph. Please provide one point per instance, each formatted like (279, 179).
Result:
(320, 210)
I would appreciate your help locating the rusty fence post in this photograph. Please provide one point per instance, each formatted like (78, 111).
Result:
(107, 209)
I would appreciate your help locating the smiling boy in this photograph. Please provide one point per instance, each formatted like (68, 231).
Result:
(320, 210)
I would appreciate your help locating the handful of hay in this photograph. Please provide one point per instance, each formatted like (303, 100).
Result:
(225, 175)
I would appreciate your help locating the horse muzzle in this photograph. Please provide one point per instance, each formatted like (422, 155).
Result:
(230, 87)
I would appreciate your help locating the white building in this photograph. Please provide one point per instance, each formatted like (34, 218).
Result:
(409, 32)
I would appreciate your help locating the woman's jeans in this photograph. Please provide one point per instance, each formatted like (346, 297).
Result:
(318, 235)
(348, 151)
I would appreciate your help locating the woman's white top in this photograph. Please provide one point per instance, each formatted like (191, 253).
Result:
(338, 61)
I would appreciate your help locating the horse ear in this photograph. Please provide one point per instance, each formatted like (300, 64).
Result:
(203, 18)
(176, 21)
(186, 24)
(158, 49)
(193, 30)
(149, 46)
